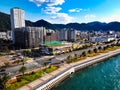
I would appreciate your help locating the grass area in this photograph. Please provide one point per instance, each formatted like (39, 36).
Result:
(53, 43)
(6, 53)
(75, 59)
(92, 54)
(110, 49)
(22, 80)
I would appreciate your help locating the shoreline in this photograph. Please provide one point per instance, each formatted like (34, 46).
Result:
(49, 80)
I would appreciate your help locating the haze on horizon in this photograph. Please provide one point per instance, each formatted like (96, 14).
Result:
(66, 11)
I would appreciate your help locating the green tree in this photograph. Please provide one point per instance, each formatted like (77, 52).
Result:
(83, 53)
(112, 45)
(75, 55)
(69, 57)
(89, 51)
(3, 80)
(107, 46)
(95, 50)
(23, 69)
(27, 53)
(46, 63)
(99, 48)
(104, 48)
(6, 49)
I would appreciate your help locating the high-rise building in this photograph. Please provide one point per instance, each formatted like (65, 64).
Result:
(29, 37)
(63, 35)
(17, 20)
(68, 35)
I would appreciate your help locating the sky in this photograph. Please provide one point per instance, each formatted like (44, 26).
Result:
(66, 11)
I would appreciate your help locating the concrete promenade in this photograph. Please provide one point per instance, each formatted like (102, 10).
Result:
(66, 69)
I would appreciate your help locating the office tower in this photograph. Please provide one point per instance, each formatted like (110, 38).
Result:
(17, 20)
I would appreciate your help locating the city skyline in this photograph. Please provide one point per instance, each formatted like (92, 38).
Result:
(66, 11)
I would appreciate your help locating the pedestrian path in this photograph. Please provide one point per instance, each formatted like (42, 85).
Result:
(48, 76)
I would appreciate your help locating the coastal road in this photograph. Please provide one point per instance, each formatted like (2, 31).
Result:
(79, 52)
(38, 62)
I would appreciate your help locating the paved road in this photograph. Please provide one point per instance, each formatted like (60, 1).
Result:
(64, 56)
(39, 61)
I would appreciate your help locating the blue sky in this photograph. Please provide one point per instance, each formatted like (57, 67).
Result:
(66, 11)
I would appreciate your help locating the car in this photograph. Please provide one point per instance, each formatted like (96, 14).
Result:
(2, 70)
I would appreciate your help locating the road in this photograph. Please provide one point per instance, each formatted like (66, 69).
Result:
(38, 62)
(79, 52)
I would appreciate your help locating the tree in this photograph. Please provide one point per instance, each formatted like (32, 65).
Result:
(89, 51)
(3, 80)
(95, 50)
(27, 53)
(107, 46)
(6, 49)
(46, 63)
(83, 53)
(104, 48)
(99, 47)
(69, 57)
(75, 55)
(112, 45)
(23, 69)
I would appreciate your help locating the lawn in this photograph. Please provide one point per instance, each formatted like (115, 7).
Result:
(93, 54)
(53, 43)
(22, 80)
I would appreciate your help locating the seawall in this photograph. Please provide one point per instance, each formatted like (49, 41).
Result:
(71, 68)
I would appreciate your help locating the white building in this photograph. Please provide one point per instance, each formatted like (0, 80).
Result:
(17, 20)
(3, 35)
(103, 38)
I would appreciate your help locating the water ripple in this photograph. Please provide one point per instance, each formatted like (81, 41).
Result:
(103, 76)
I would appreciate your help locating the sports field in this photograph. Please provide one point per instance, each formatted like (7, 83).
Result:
(53, 43)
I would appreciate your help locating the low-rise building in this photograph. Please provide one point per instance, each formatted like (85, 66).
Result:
(103, 38)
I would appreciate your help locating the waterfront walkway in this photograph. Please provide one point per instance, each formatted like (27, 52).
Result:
(50, 76)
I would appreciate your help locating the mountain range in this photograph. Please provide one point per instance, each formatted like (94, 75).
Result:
(96, 26)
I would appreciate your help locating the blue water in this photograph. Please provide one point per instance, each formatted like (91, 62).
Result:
(102, 76)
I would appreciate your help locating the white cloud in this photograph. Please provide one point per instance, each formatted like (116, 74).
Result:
(48, 2)
(55, 2)
(62, 18)
(115, 17)
(52, 10)
(90, 17)
(75, 10)
(38, 2)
